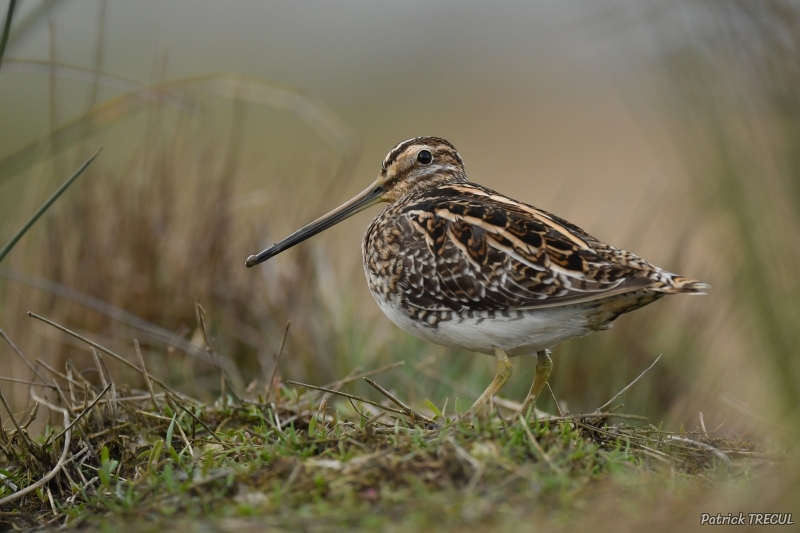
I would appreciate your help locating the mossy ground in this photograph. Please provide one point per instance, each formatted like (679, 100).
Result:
(308, 459)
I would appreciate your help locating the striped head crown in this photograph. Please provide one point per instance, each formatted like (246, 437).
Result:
(419, 164)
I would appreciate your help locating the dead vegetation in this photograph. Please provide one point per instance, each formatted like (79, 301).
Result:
(112, 451)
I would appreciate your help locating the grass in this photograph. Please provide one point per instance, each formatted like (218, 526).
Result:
(306, 456)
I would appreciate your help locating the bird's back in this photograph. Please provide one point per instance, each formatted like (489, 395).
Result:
(464, 246)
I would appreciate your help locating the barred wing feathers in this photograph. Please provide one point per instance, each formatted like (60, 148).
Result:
(466, 247)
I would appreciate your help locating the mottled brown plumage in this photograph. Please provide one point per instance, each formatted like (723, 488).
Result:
(462, 265)
(460, 247)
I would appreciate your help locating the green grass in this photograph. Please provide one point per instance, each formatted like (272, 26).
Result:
(138, 460)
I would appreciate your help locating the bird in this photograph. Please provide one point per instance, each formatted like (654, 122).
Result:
(460, 265)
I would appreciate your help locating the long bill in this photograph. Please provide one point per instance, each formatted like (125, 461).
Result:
(367, 198)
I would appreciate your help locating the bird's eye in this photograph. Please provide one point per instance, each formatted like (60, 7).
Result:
(424, 157)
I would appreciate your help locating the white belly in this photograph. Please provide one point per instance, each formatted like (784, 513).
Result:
(534, 331)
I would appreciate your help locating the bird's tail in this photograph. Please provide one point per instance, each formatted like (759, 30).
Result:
(681, 285)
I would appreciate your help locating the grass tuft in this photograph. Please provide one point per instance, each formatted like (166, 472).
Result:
(317, 455)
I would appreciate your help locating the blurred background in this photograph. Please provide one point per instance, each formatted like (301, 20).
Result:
(668, 129)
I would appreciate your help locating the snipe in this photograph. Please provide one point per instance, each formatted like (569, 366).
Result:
(460, 265)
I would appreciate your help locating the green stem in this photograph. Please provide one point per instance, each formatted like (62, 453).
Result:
(45, 206)
(7, 28)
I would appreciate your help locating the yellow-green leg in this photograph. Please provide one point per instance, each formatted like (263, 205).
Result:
(501, 377)
(543, 367)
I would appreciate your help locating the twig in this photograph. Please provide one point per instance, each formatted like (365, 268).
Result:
(703, 446)
(345, 395)
(609, 402)
(277, 360)
(146, 375)
(83, 413)
(404, 407)
(45, 206)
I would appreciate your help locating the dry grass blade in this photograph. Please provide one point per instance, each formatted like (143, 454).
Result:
(63, 376)
(408, 411)
(620, 393)
(345, 395)
(105, 308)
(147, 381)
(196, 419)
(355, 375)
(537, 446)
(102, 349)
(50, 475)
(320, 449)
(83, 412)
(555, 401)
(32, 416)
(101, 368)
(29, 445)
(26, 382)
(593, 416)
(360, 375)
(20, 354)
(277, 360)
(703, 446)
(200, 314)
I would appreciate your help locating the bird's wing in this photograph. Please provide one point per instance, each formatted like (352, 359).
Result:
(466, 247)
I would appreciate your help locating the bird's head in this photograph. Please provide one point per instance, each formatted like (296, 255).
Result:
(412, 166)
(418, 164)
